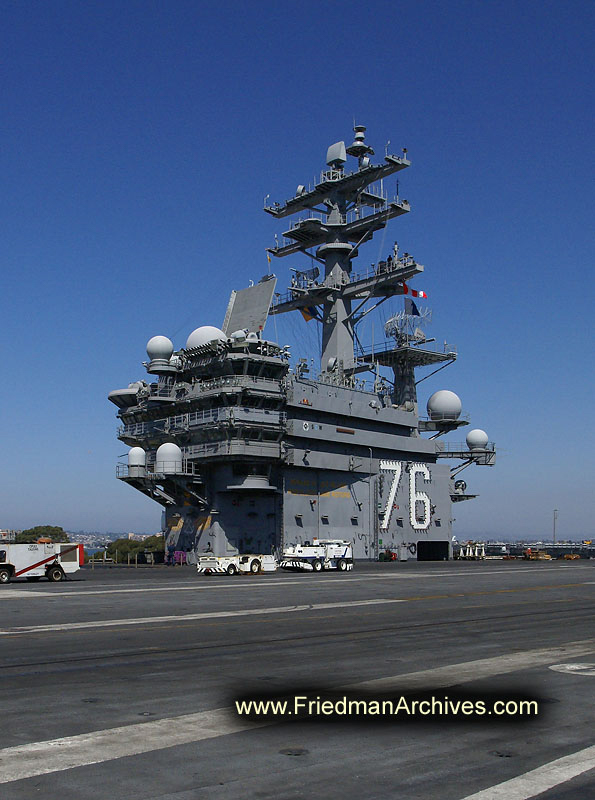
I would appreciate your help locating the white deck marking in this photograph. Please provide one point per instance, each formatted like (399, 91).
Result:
(575, 669)
(243, 612)
(439, 677)
(20, 594)
(55, 755)
(541, 779)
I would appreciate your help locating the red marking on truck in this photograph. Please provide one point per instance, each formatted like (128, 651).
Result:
(53, 557)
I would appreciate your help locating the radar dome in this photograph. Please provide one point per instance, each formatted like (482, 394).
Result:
(160, 347)
(477, 439)
(137, 460)
(444, 405)
(168, 459)
(202, 335)
(137, 457)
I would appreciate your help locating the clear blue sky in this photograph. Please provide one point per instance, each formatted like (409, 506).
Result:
(139, 139)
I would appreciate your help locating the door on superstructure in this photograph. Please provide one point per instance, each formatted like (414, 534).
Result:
(432, 551)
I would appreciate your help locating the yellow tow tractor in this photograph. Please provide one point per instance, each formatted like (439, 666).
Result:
(536, 555)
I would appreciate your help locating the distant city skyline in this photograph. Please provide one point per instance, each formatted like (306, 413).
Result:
(139, 142)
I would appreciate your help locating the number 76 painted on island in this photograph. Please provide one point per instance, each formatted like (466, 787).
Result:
(415, 496)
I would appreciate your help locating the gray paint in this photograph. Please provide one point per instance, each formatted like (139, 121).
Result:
(271, 456)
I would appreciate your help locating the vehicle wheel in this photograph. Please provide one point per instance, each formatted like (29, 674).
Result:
(4, 575)
(341, 564)
(255, 566)
(316, 565)
(33, 578)
(231, 569)
(54, 574)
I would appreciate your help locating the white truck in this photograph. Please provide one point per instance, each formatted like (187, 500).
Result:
(321, 554)
(51, 560)
(210, 564)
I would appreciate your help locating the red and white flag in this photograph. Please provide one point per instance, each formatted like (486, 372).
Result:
(412, 292)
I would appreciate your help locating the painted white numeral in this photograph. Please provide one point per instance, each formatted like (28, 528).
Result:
(396, 467)
(416, 497)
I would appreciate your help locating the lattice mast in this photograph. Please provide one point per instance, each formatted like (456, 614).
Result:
(343, 212)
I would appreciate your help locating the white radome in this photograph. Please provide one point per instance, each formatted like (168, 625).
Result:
(444, 404)
(168, 458)
(137, 457)
(477, 439)
(203, 335)
(160, 347)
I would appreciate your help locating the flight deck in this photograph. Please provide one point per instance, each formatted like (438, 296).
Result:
(124, 681)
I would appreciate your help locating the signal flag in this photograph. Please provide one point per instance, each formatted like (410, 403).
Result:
(308, 313)
(412, 292)
(410, 308)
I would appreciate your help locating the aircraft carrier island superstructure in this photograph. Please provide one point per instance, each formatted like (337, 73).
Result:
(246, 453)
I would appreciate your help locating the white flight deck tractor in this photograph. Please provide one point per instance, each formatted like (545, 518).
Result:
(51, 560)
(232, 565)
(321, 554)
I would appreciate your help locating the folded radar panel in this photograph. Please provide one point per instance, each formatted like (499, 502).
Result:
(248, 309)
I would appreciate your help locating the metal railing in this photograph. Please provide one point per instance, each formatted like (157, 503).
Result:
(224, 447)
(373, 271)
(185, 392)
(184, 467)
(349, 383)
(338, 219)
(244, 381)
(389, 345)
(358, 214)
(184, 422)
(463, 447)
(234, 447)
(164, 391)
(331, 175)
(452, 418)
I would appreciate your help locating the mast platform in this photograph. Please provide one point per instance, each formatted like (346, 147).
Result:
(372, 284)
(390, 356)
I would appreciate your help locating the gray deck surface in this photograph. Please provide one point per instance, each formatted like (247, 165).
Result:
(82, 680)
